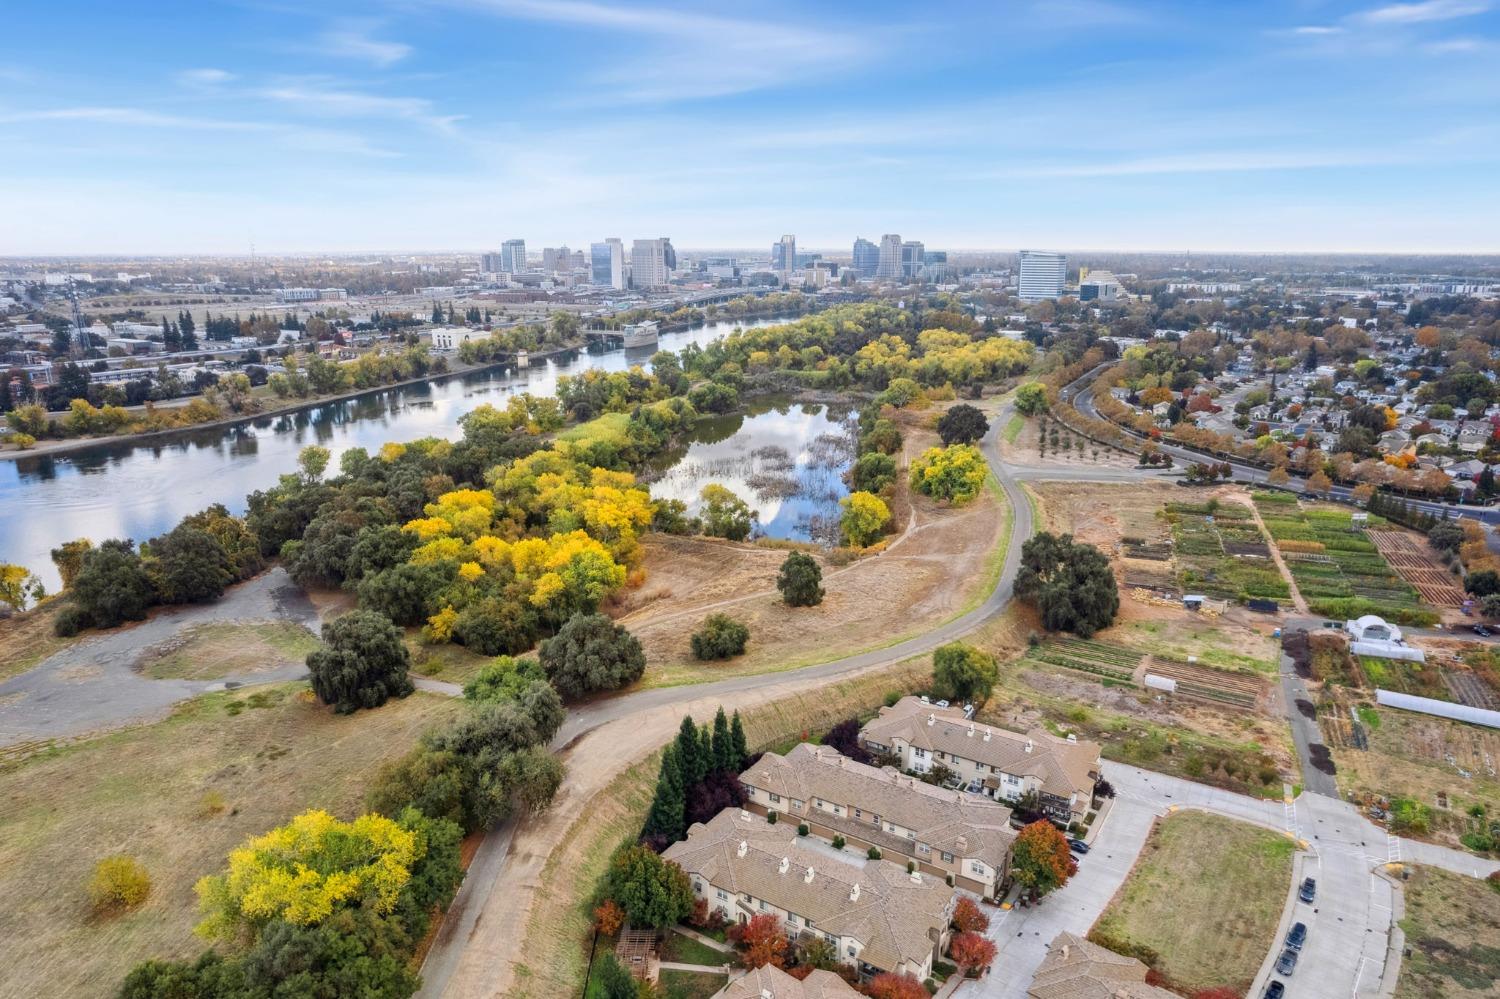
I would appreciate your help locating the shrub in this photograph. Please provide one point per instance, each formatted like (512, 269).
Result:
(963, 673)
(119, 883)
(591, 653)
(361, 664)
(771, 818)
(800, 580)
(608, 918)
(23, 442)
(802, 829)
(873, 853)
(719, 637)
(962, 424)
(838, 842)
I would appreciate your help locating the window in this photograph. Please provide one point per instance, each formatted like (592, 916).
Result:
(947, 857)
(698, 887)
(797, 804)
(923, 848)
(776, 798)
(791, 919)
(851, 950)
(763, 906)
(858, 814)
(723, 894)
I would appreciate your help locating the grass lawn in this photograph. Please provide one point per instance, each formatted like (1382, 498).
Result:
(686, 950)
(690, 984)
(1205, 896)
(453, 663)
(1452, 928)
(1014, 427)
(177, 795)
(210, 651)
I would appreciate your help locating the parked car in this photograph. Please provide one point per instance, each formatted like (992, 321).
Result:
(1309, 889)
(1078, 846)
(1481, 631)
(1286, 963)
(1274, 990)
(1296, 937)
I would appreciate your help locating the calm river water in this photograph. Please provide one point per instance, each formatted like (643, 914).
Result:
(141, 489)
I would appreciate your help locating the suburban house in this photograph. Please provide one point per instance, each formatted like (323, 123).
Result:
(1077, 969)
(877, 916)
(1006, 764)
(770, 982)
(945, 832)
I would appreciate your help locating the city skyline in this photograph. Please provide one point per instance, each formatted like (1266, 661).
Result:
(1295, 126)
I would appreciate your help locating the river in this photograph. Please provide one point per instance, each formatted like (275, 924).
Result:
(140, 489)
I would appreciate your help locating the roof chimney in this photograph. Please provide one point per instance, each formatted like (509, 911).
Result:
(807, 878)
(744, 848)
(854, 892)
(767, 994)
(931, 718)
(1065, 948)
(971, 732)
(987, 734)
(786, 864)
(1028, 745)
(962, 843)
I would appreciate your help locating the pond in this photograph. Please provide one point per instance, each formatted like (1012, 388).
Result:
(786, 460)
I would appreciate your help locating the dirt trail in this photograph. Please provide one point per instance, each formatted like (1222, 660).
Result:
(1281, 566)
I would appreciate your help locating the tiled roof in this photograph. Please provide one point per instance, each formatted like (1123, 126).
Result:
(1063, 767)
(777, 984)
(964, 824)
(1074, 968)
(892, 915)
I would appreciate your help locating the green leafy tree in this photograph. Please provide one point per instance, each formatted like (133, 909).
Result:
(724, 514)
(962, 673)
(191, 566)
(1071, 585)
(407, 594)
(112, 586)
(361, 664)
(611, 980)
(719, 637)
(962, 424)
(505, 679)
(1031, 399)
(592, 653)
(654, 893)
(800, 580)
(430, 780)
(873, 471)
(313, 459)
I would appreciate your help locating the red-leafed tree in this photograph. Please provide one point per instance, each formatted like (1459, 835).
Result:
(763, 941)
(972, 952)
(1040, 860)
(969, 918)
(609, 917)
(887, 985)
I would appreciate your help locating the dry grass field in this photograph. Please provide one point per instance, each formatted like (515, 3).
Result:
(177, 795)
(1206, 895)
(210, 651)
(26, 639)
(1452, 927)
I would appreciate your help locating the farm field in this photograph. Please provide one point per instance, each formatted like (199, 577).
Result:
(1451, 925)
(1126, 666)
(1337, 568)
(177, 795)
(1203, 901)
(1220, 552)
(1415, 562)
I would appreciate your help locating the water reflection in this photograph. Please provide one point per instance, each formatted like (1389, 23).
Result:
(786, 461)
(140, 489)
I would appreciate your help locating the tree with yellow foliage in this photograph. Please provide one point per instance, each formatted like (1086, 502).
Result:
(865, 518)
(953, 473)
(302, 871)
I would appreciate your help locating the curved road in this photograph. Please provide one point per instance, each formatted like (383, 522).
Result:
(488, 869)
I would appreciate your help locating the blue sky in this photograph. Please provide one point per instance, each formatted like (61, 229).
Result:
(158, 127)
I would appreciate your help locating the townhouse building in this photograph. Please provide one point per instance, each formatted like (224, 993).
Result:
(770, 982)
(877, 916)
(1004, 765)
(944, 832)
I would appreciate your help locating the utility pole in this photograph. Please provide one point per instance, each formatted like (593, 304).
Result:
(79, 340)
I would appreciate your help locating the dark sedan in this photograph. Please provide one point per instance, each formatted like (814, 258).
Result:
(1286, 963)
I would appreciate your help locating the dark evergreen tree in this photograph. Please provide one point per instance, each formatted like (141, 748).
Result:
(723, 747)
(691, 757)
(740, 751)
(664, 821)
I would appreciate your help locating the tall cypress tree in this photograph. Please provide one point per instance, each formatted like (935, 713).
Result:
(723, 749)
(668, 807)
(740, 752)
(690, 756)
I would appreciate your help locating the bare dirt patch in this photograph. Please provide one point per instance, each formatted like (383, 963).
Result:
(1452, 923)
(224, 648)
(176, 795)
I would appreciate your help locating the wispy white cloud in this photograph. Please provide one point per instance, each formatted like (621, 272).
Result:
(1316, 30)
(356, 40)
(291, 135)
(705, 55)
(315, 96)
(1418, 13)
(205, 78)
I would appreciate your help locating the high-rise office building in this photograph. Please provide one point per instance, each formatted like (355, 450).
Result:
(784, 255)
(652, 262)
(1044, 274)
(491, 263)
(889, 265)
(866, 258)
(607, 263)
(555, 259)
(912, 252)
(513, 256)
